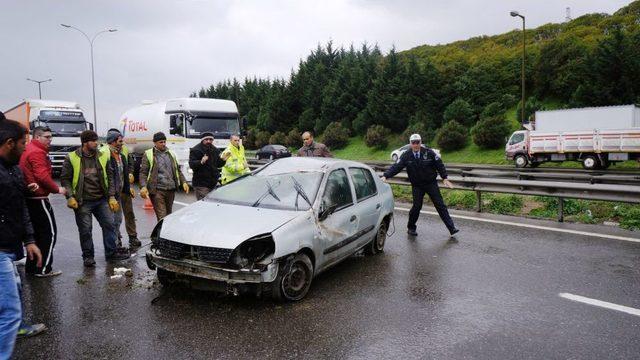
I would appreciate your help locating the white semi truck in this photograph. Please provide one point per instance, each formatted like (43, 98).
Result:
(183, 121)
(64, 118)
(596, 136)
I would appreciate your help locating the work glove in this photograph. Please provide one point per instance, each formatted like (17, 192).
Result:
(185, 187)
(131, 179)
(144, 193)
(132, 192)
(113, 204)
(72, 203)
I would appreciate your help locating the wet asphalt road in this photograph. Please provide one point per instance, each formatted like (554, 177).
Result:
(493, 294)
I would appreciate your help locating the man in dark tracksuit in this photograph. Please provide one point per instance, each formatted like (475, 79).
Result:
(423, 166)
(204, 160)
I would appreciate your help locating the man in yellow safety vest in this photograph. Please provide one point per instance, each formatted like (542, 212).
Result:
(235, 161)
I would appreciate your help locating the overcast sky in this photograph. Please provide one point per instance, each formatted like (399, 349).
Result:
(169, 48)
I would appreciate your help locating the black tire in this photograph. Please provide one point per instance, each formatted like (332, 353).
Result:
(376, 246)
(590, 162)
(294, 279)
(166, 278)
(520, 160)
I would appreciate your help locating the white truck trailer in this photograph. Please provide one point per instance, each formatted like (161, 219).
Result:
(597, 137)
(64, 118)
(183, 121)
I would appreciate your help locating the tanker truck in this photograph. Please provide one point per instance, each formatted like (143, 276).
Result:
(64, 118)
(183, 120)
(596, 136)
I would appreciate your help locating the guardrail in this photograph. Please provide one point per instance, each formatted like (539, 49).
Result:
(620, 186)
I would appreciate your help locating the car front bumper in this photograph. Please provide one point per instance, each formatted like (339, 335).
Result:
(208, 271)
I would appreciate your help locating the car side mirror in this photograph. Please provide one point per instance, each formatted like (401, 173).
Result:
(173, 124)
(324, 214)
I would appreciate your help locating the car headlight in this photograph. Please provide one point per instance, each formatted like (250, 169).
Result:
(253, 250)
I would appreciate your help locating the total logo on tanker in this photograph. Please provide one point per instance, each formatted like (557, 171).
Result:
(132, 126)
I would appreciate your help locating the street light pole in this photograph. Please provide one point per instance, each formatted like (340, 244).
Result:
(524, 54)
(93, 82)
(39, 88)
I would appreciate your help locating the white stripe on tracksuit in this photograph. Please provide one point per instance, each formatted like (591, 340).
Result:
(53, 236)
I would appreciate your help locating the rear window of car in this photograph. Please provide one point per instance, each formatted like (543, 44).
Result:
(363, 182)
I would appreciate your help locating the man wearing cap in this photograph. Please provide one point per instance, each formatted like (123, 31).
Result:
(126, 202)
(423, 166)
(85, 172)
(160, 176)
(204, 160)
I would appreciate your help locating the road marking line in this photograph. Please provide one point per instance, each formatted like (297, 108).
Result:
(181, 203)
(603, 304)
(548, 228)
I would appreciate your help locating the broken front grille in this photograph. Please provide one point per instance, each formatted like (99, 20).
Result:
(174, 250)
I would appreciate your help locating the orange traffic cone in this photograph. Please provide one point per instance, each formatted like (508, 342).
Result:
(148, 205)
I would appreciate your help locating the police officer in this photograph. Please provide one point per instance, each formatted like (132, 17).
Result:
(423, 166)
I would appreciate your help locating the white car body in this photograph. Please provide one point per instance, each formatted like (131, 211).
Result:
(226, 227)
(395, 154)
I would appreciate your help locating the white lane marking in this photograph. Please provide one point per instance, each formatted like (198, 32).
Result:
(603, 304)
(181, 203)
(567, 231)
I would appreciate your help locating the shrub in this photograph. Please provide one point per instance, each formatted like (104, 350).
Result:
(262, 139)
(278, 138)
(418, 128)
(294, 137)
(249, 141)
(630, 217)
(335, 136)
(490, 133)
(451, 136)
(491, 110)
(459, 199)
(376, 137)
(460, 111)
(505, 204)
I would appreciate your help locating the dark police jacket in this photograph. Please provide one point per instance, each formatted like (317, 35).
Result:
(421, 171)
(207, 174)
(16, 229)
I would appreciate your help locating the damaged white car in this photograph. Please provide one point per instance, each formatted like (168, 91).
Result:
(272, 231)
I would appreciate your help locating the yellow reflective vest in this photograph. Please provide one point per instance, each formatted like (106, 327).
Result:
(234, 166)
(76, 164)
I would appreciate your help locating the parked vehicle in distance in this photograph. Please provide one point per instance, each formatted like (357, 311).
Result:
(64, 118)
(272, 152)
(395, 154)
(272, 231)
(183, 121)
(597, 137)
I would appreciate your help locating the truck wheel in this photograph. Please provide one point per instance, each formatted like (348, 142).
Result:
(590, 162)
(520, 161)
(294, 279)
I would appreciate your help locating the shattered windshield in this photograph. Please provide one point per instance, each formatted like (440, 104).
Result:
(286, 191)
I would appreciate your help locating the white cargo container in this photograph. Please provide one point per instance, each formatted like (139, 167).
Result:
(183, 121)
(64, 118)
(597, 136)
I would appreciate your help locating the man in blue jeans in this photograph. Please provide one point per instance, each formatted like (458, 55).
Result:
(86, 174)
(16, 230)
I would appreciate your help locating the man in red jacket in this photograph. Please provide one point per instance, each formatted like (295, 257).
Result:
(36, 166)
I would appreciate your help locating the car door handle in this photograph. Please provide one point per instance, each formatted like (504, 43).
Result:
(377, 206)
(353, 218)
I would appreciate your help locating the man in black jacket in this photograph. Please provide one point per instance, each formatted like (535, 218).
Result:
(204, 160)
(423, 166)
(16, 230)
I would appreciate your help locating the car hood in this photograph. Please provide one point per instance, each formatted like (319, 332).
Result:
(220, 225)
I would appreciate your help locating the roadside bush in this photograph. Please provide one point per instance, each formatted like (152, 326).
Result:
(489, 133)
(249, 141)
(377, 137)
(459, 199)
(278, 138)
(451, 136)
(491, 110)
(459, 110)
(294, 138)
(418, 128)
(335, 136)
(262, 139)
(505, 204)
(629, 217)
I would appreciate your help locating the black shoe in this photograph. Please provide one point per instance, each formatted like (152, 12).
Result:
(454, 231)
(117, 256)
(412, 232)
(89, 262)
(134, 242)
(122, 250)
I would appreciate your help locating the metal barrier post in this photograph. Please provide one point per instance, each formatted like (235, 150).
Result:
(560, 209)
(479, 201)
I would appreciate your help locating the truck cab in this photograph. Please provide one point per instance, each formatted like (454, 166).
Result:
(516, 149)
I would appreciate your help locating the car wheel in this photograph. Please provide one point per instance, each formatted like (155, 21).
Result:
(271, 157)
(520, 161)
(590, 162)
(294, 279)
(376, 245)
(166, 278)
(394, 157)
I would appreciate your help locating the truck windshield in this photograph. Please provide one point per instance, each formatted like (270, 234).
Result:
(63, 123)
(220, 127)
